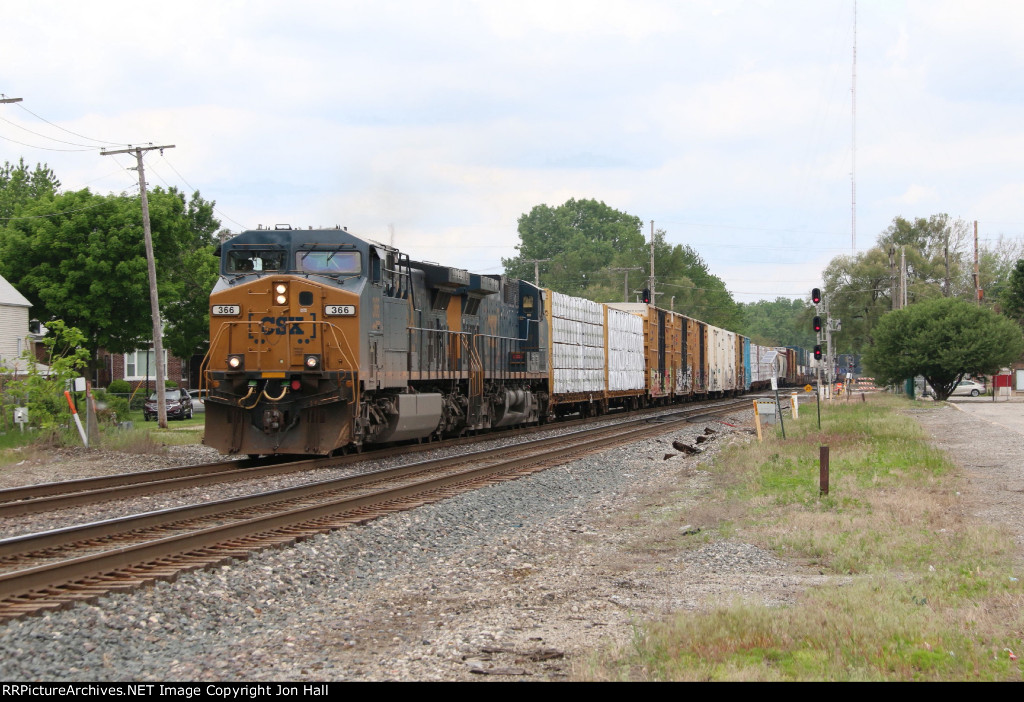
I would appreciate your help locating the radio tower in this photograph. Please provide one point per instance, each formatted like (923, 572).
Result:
(853, 171)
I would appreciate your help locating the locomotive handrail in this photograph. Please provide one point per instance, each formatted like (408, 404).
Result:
(348, 359)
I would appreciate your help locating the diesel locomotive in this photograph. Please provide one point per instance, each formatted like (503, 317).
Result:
(322, 341)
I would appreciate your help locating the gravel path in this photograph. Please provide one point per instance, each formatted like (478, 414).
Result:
(518, 581)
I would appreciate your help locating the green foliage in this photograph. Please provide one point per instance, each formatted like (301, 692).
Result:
(18, 186)
(585, 241)
(119, 387)
(1014, 295)
(43, 392)
(581, 238)
(783, 322)
(938, 252)
(80, 257)
(943, 340)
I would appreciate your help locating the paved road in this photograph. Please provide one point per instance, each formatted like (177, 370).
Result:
(1005, 413)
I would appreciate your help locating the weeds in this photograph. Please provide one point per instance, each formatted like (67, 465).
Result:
(919, 593)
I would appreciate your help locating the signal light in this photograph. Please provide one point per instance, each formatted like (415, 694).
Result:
(816, 296)
(647, 296)
(817, 352)
(817, 324)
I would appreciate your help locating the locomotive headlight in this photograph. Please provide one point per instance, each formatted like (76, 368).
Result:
(236, 362)
(280, 293)
(312, 361)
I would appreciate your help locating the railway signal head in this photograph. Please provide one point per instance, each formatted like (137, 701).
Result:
(817, 352)
(816, 296)
(647, 296)
(817, 324)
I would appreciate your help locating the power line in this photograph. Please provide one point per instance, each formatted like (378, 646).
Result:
(44, 148)
(80, 136)
(44, 136)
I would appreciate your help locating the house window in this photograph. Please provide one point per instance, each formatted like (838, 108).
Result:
(138, 362)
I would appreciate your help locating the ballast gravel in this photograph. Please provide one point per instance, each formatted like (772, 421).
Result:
(521, 580)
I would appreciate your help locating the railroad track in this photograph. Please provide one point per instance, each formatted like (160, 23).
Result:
(47, 497)
(57, 568)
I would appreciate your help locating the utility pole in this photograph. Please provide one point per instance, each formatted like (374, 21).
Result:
(894, 300)
(903, 277)
(625, 284)
(536, 268)
(7, 100)
(853, 139)
(154, 302)
(977, 274)
(651, 286)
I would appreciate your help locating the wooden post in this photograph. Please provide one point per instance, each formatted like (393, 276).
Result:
(823, 470)
(757, 421)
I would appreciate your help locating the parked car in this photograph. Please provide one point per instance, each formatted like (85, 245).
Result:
(968, 387)
(179, 405)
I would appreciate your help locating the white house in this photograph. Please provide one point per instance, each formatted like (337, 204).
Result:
(14, 334)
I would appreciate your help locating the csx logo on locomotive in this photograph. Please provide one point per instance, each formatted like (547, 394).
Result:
(282, 326)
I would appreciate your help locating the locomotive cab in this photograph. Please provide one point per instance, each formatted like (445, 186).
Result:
(282, 361)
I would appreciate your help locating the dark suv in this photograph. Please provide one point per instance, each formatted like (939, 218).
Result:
(179, 405)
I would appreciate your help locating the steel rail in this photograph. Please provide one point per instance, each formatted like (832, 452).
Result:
(34, 499)
(22, 583)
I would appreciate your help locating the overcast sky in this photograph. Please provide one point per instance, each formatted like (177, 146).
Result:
(435, 125)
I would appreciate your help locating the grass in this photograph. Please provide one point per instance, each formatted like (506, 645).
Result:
(143, 438)
(920, 591)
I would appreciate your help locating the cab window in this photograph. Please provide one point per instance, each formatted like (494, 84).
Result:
(328, 262)
(252, 260)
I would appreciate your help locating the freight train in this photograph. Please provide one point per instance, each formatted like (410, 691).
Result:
(323, 342)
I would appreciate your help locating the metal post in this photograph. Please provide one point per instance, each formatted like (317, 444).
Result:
(823, 470)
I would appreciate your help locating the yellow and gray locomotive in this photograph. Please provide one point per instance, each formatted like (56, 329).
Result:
(321, 341)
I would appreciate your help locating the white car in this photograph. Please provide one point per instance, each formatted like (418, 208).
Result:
(968, 387)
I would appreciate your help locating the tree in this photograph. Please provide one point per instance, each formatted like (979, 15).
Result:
(43, 392)
(18, 186)
(186, 306)
(942, 339)
(589, 245)
(1013, 296)
(783, 322)
(580, 239)
(80, 257)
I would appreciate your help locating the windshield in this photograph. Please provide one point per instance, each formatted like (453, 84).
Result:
(170, 395)
(344, 262)
(254, 260)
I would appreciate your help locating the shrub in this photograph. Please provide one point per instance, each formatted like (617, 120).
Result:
(120, 387)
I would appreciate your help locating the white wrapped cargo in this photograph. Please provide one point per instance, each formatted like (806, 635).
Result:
(577, 345)
(625, 351)
(722, 360)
